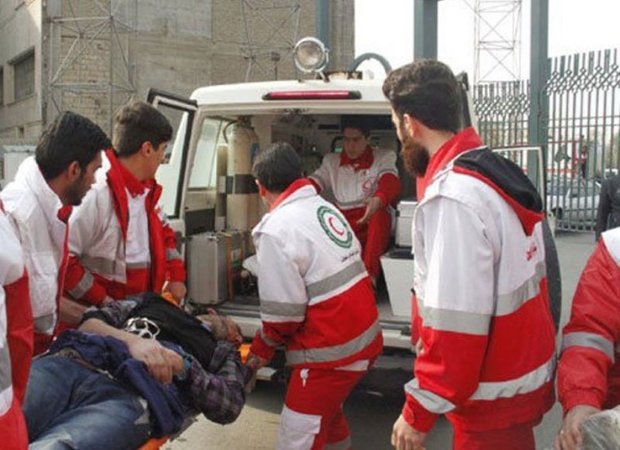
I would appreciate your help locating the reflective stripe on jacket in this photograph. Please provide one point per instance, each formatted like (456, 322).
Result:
(316, 297)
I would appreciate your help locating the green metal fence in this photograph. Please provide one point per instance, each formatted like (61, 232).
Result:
(583, 130)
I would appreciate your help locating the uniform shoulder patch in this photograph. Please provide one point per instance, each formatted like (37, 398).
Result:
(336, 228)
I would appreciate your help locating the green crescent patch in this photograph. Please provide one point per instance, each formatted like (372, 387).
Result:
(335, 227)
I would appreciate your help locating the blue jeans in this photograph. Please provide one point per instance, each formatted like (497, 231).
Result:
(69, 406)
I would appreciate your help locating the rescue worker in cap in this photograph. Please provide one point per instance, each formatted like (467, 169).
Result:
(364, 182)
(316, 300)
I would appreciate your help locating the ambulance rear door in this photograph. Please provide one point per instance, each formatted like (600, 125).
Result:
(173, 173)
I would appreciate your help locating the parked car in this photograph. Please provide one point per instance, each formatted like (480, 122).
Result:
(573, 202)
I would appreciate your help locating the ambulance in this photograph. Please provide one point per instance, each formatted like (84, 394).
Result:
(211, 198)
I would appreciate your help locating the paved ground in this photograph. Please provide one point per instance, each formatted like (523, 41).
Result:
(372, 409)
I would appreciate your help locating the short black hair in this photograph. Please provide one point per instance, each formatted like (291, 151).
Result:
(137, 123)
(277, 167)
(71, 137)
(428, 91)
(358, 122)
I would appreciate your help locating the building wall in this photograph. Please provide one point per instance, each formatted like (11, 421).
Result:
(20, 33)
(174, 45)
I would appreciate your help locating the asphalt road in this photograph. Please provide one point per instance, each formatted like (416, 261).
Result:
(372, 408)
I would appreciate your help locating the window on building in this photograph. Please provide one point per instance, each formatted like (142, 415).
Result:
(24, 76)
(1, 87)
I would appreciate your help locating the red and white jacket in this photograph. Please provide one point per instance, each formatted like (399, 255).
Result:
(589, 367)
(354, 181)
(15, 338)
(481, 301)
(40, 221)
(315, 295)
(120, 242)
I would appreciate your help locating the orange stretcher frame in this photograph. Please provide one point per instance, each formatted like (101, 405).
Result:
(154, 443)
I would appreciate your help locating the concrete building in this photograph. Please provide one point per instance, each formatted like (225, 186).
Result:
(91, 56)
(11, 157)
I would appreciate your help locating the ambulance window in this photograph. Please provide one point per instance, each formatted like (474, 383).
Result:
(170, 169)
(203, 175)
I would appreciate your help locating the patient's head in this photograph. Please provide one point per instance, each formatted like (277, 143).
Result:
(222, 327)
(601, 431)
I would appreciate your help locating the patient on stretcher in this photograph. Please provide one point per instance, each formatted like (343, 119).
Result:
(134, 370)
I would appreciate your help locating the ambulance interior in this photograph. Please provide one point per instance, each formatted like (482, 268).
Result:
(222, 204)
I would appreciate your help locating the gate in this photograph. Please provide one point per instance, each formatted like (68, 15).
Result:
(583, 132)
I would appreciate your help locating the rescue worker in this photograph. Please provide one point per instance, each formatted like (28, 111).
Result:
(365, 182)
(121, 243)
(486, 336)
(589, 371)
(39, 203)
(15, 338)
(316, 300)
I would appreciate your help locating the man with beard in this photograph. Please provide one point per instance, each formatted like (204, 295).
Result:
(39, 203)
(486, 336)
(121, 243)
(364, 181)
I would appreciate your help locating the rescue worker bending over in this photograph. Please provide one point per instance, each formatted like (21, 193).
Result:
(365, 182)
(316, 299)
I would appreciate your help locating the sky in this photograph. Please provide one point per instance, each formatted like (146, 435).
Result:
(575, 26)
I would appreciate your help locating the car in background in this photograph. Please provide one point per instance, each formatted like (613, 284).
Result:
(573, 202)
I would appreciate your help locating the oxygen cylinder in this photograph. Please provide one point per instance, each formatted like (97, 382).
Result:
(242, 198)
(220, 198)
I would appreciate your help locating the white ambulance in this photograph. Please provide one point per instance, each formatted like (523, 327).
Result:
(211, 198)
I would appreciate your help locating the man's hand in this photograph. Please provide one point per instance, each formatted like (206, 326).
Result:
(108, 301)
(405, 437)
(418, 347)
(569, 437)
(71, 311)
(161, 362)
(177, 289)
(255, 362)
(373, 204)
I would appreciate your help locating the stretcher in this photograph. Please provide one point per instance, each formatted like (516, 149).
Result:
(156, 443)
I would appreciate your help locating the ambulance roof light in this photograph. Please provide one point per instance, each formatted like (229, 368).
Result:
(310, 55)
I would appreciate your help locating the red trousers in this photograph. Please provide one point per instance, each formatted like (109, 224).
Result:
(374, 236)
(518, 437)
(312, 418)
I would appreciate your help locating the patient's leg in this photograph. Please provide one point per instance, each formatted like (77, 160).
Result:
(69, 406)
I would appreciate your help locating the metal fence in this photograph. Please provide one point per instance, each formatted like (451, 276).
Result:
(583, 131)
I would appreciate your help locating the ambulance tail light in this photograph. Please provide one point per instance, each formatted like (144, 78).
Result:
(313, 95)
